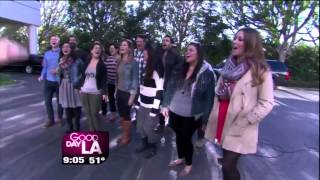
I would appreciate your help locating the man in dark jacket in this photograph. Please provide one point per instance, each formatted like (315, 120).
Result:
(80, 53)
(172, 61)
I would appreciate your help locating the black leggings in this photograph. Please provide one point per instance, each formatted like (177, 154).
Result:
(229, 165)
(73, 118)
(112, 100)
(184, 127)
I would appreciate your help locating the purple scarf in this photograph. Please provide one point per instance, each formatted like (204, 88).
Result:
(230, 73)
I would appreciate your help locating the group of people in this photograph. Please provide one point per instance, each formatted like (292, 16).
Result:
(160, 84)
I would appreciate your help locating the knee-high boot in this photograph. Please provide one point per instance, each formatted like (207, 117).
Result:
(126, 133)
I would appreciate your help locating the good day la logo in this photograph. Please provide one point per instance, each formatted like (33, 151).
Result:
(84, 140)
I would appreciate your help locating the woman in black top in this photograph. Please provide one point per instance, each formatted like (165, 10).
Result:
(94, 86)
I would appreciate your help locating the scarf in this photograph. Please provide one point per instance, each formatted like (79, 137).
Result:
(230, 73)
(65, 62)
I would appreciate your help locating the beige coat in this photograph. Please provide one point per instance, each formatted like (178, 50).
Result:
(248, 106)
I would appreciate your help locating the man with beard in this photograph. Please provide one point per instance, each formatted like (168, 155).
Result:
(73, 41)
(171, 61)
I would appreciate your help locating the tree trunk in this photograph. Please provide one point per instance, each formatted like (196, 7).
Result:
(282, 55)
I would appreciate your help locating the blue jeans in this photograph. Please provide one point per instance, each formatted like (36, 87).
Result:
(51, 87)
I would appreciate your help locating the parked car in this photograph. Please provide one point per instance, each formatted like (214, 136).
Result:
(32, 65)
(280, 71)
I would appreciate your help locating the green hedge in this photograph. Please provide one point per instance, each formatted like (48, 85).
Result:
(303, 63)
(302, 84)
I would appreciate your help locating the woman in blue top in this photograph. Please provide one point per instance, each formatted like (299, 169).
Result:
(127, 86)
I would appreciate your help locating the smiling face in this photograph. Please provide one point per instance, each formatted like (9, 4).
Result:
(124, 48)
(191, 54)
(238, 44)
(96, 51)
(66, 49)
(54, 41)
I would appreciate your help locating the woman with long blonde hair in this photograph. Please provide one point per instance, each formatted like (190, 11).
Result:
(127, 86)
(243, 97)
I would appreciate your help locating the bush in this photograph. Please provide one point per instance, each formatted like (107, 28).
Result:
(216, 53)
(303, 63)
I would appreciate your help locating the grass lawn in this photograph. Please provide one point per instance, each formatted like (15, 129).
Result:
(5, 79)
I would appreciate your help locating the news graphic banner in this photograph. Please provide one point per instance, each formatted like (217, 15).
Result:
(85, 147)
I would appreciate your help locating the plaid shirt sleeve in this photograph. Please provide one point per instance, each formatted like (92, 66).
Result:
(138, 56)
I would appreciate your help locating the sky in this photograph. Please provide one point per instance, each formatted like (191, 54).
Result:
(132, 2)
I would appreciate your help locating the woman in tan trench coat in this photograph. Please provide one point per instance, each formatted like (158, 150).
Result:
(244, 96)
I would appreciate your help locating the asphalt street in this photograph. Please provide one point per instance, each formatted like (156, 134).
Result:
(288, 143)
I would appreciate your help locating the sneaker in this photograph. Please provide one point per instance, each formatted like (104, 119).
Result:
(48, 124)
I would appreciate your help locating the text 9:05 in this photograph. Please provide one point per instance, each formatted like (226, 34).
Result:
(73, 160)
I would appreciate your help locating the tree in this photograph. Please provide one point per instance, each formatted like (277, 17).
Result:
(175, 18)
(133, 21)
(98, 18)
(210, 32)
(282, 20)
(53, 15)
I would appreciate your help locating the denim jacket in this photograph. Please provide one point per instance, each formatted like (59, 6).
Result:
(130, 75)
(202, 92)
(74, 73)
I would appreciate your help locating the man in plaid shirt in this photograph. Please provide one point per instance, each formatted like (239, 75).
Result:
(138, 56)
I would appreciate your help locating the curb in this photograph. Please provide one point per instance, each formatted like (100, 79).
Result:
(297, 88)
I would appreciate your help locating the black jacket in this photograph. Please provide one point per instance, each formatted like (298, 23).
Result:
(173, 62)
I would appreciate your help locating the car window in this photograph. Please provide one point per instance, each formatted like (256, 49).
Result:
(277, 66)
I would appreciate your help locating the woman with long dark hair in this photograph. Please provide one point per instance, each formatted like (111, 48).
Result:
(69, 72)
(188, 101)
(148, 105)
(244, 96)
(94, 86)
(127, 86)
